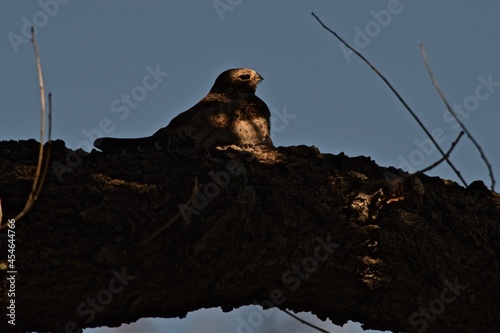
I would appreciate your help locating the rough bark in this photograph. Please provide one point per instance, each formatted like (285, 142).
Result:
(338, 236)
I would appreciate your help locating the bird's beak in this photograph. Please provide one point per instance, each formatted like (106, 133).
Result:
(259, 77)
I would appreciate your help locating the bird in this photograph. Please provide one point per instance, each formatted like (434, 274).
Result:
(230, 114)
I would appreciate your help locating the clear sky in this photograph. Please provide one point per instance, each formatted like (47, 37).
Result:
(137, 64)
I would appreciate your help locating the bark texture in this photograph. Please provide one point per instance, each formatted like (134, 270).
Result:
(338, 236)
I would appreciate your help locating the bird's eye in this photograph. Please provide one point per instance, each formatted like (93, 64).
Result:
(245, 77)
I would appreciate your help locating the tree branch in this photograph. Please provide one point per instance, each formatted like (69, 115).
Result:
(450, 109)
(407, 107)
(39, 174)
(293, 229)
(435, 164)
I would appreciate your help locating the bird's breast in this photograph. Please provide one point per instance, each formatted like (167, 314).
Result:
(254, 131)
(239, 121)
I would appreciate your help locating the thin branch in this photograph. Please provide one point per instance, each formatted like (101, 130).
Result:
(397, 95)
(304, 322)
(469, 135)
(43, 105)
(435, 164)
(34, 188)
(47, 154)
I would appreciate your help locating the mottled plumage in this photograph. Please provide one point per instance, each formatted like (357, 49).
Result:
(231, 114)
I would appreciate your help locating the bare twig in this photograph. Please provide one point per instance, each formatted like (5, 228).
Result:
(469, 135)
(304, 322)
(47, 153)
(43, 105)
(435, 164)
(173, 218)
(35, 186)
(397, 95)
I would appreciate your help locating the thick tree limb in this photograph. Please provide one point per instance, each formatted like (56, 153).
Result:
(338, 236)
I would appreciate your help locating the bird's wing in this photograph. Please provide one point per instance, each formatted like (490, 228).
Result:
(181, 133)
(185, 131)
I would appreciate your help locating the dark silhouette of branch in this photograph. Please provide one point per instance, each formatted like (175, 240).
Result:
(435, 164)
(397, 95)
(267, 231)
(291, 314)
(448, 106)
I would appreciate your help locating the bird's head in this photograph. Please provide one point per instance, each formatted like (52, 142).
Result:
(237, 80)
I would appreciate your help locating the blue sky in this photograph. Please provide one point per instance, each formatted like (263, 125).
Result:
(95, 54)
